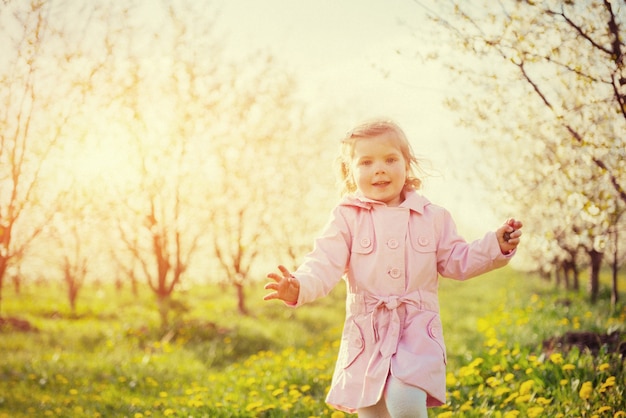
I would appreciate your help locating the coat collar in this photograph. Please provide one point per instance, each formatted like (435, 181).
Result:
(413, 201)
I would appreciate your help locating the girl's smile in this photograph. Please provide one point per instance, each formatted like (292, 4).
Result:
(379, 169)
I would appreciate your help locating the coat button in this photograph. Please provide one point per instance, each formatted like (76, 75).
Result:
(366, 242)
(395, 273)
(423, 241)
(392, 243)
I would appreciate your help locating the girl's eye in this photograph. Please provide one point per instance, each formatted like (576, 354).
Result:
(365, 162)
(391, 160)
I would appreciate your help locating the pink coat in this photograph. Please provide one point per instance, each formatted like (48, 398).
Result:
(391, 258)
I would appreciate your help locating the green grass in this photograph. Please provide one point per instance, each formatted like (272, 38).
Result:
(112, 359)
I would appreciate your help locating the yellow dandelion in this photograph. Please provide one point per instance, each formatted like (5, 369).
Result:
(608, 383)
(526, 387)
(567, 367)
(450, 379)
(556, 358)
(543, 401)
(466, 371)
(465, 407)
(508, 377)
(511, 414)
(337, 414)
(586, 390)
(564, 382)
(511, 397)
(522, 399)
(295, 393)
(534, 411)
(603, 367)
(252, 406)
(603, 409)
(497, 368)
(619, 414)
(476, 362)
(446, 414)
(168, 412)
(501, 391)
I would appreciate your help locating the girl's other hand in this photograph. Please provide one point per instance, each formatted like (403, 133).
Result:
(509, 235)
(286, 287)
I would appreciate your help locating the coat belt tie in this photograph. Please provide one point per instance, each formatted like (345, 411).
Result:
(386, 319)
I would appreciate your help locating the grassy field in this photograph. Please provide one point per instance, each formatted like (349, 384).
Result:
(112, 359)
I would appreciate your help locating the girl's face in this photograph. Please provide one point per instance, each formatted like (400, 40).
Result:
(379, 169)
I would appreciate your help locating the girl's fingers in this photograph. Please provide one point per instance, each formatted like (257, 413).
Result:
(275, 277)
(270, 296)
(284, 270)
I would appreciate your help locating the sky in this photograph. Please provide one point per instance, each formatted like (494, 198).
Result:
(359, 56)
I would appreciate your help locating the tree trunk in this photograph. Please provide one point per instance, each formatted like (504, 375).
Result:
(594, 277)
(163, 302)
(3, 269)
(614, 284)
(17, 283)
(615, 287)
(557, 275)
(241, 299)
(72, 292)
(576, 278)
(567, 269)
(133, 285)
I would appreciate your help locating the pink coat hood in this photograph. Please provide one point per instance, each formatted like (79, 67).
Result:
(391, 259)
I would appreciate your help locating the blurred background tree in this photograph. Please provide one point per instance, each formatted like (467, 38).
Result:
(40, 94)
(544, 86)
(187, 161)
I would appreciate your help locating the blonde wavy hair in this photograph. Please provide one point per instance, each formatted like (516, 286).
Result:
(371, 129)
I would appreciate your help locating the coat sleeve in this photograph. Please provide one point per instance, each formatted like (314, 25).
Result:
(460, 260)
(324, 266)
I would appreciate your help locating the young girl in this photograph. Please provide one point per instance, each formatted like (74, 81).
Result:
(390, 244)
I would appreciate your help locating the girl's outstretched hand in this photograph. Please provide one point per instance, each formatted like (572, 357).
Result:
(509, 235)
(285, 286)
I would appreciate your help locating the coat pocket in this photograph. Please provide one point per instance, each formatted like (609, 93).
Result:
(423, 242)
(363, 244)
(352, 344)
(435, 332)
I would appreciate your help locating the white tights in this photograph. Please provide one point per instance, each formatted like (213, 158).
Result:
(399, 401)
